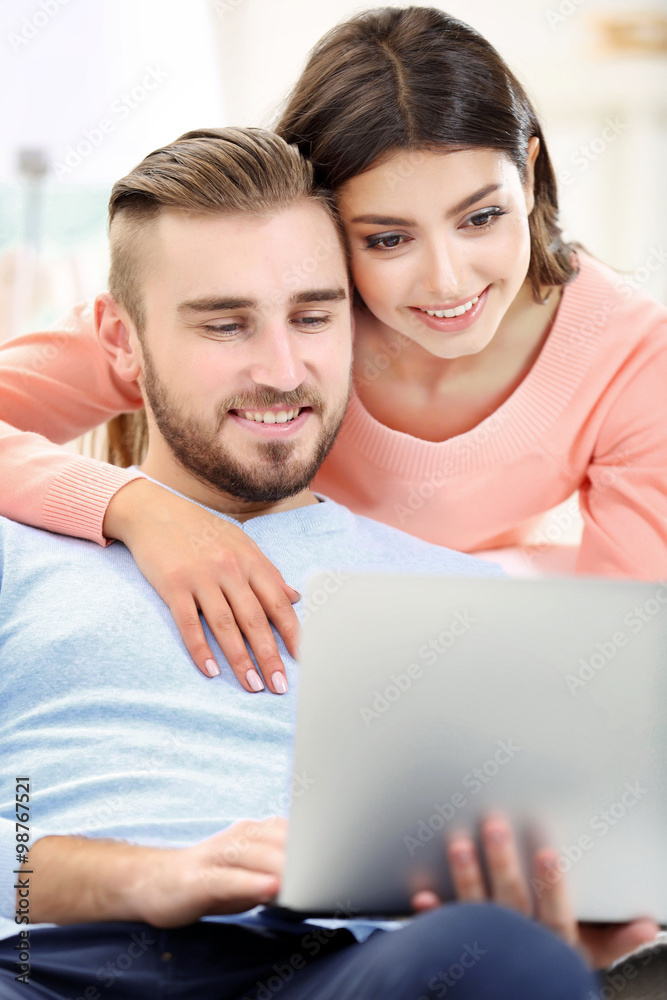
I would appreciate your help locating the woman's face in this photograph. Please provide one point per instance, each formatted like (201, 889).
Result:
(435, 232)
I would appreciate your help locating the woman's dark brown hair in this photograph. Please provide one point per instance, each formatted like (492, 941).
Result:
(414, 78)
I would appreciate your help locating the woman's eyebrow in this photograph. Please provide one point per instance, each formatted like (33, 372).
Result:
(391, 220)
(472, 199)
(383, 220)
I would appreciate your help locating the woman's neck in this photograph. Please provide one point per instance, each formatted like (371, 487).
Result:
(405, 387)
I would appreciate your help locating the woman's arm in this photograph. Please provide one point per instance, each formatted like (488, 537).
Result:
(624, 502)
(56, 385)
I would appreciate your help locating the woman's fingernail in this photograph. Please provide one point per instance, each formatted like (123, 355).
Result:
(254, 680)
(298, 596)
(497, 835)
(211, 668)
(279, 682)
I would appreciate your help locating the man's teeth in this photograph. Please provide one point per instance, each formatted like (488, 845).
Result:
(451, 313)
(271, 417)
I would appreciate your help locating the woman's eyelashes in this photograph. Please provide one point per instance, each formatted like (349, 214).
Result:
(478, 222)
(484, 219)
(385, 241)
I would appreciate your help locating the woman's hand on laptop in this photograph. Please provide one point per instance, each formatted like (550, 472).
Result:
(199, 562)
(507, 886)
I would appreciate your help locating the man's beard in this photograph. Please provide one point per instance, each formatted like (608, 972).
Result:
(272, 477)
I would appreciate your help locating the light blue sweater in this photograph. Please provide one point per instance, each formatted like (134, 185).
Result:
(102, 708)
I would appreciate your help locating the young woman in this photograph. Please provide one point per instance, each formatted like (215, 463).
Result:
(498, 369)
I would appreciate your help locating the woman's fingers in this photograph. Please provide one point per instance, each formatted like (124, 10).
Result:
(230, 620)
(186, 616)
(197, 561)
(508, 885)
(276, 598)
(554, 907)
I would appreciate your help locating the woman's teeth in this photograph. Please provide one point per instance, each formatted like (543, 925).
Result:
(271, 417)
(451, 313)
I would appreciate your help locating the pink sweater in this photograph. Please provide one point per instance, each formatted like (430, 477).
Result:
(590, 415)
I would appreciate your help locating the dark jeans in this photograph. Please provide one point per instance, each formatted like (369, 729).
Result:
(464, 951)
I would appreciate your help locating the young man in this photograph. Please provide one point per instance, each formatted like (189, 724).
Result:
(137, 776)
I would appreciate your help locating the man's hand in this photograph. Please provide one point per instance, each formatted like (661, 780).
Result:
(230, 872)
(78, 880)
(508, 887)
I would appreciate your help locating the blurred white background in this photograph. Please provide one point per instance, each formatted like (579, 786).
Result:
(90, 86)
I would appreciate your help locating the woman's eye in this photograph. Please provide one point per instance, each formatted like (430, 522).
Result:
(483, 220)
(389, 242)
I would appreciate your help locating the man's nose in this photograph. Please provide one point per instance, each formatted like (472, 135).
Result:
(277, 361)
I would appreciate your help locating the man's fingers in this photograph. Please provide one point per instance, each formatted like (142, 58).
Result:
(466, 870)
(241, 889)
(554, 907)
(508, 885)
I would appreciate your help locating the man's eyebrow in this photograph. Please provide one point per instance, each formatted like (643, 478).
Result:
(214, 304)
(319, 295)
(390, 220)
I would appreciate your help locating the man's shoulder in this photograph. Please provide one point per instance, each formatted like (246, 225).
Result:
(375, 541)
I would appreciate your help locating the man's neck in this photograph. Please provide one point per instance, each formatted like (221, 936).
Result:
(172, 474)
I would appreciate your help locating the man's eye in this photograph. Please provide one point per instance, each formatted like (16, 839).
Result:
(313, 322)
(387, 242)
(225, 329)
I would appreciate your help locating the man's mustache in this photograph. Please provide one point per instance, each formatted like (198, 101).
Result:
(264, 398)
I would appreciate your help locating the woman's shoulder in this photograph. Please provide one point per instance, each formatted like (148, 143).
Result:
(616, 304)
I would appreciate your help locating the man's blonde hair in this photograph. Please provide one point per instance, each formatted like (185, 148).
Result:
(205, 172)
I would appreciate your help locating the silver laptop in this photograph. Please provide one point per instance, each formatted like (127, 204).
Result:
(425, 703)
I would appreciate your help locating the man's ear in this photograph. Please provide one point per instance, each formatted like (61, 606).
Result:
(117, 338)
(529, 183)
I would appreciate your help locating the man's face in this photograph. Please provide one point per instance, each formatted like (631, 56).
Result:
(246, 352)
